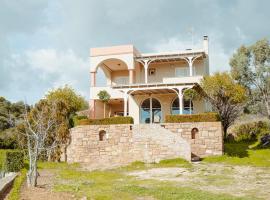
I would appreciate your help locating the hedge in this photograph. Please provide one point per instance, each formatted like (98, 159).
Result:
(76, 119)
(106, 121)
(202, 117)
(11, 160)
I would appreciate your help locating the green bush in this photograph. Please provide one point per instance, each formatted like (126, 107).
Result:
(251, 131)
(202, 117)
(105, 121)
(12, 161)
(76, 119)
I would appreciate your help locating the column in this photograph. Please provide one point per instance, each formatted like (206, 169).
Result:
(125, 103)
(146, 71)
(93, 79)
(180, 97)
(131, 76)
(151, 111)
(190, 66)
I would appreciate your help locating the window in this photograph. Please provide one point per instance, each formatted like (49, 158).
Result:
(194, 132)
(181, 71)
(151, 71)
(102, 135)
(150, 111)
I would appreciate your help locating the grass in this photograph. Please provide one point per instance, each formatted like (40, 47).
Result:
(18, 182)
(241, 153)
(138, 165)
(114, 184)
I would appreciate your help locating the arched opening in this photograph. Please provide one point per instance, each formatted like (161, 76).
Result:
(194, 133)
(150, 111)
(187, 107)
(112, 71)
(102, 135)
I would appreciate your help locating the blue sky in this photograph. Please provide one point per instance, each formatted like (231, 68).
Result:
(45, 44)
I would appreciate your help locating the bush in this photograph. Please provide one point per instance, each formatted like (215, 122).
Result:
(202, 117)
(12, 161)
(105, 121)
(251, 131)
(76, 119)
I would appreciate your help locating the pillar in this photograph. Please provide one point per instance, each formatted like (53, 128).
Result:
(131, 76)
(93, 79)
(180, 97)
(125, 103)
(146, 71)
(189, 60)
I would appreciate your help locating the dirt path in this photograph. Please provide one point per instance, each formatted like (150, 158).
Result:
(216, 178)
(43, 191)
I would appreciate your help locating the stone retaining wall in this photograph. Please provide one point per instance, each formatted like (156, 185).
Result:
(123, 144)
(208, 140)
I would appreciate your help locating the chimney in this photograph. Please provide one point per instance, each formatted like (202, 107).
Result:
(205, 44)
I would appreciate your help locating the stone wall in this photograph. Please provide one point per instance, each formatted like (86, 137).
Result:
(208, 140)
(123, 144)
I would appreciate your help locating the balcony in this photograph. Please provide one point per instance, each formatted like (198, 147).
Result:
(116, 93)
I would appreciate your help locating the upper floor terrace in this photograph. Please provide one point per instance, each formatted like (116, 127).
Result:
(125, 67)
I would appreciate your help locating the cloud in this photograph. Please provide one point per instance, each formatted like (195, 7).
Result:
(45, 43)
(47, 68)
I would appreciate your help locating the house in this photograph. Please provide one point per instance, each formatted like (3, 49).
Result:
(147, 86)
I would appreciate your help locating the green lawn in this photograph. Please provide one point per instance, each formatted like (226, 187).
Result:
(115, 184)
(241, 153)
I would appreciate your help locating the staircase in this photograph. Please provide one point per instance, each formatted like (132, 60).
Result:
(155, 136)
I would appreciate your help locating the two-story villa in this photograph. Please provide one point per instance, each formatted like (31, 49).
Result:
(147, 86)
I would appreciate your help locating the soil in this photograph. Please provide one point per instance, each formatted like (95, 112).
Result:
(44, 190)
(217, 178)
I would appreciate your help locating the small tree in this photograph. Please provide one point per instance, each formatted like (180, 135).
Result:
(39, 124)
(104, 96)
(225, 95)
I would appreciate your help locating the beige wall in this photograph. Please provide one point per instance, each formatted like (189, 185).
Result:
(117, 74)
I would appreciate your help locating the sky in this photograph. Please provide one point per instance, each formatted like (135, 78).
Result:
(44, 44)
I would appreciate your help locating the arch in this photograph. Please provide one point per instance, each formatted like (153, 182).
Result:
(150, 111)
(194, 133)
(102, 135)
(96, 63)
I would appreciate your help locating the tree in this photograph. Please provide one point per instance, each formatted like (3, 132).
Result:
(225, 95)
(39, 124)
(250, 67)
(104, 96)
(68, 104)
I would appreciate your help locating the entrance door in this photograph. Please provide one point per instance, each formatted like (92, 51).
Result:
(150, 111)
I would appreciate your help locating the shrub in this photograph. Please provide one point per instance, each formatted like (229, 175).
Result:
(202, 117)
(105, 121)
(251, 131)
(13, 161)
(76, 119)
